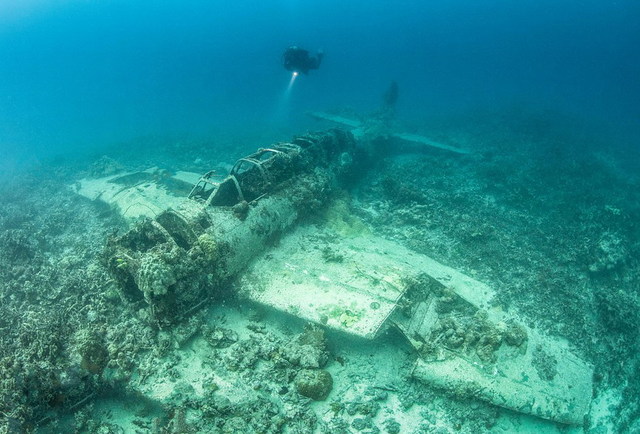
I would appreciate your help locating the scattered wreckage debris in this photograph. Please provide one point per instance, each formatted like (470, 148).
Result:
(242, 234)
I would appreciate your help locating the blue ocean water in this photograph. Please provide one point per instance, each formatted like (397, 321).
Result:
(80, 74)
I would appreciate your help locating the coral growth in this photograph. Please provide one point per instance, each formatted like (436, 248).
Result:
(314, 383)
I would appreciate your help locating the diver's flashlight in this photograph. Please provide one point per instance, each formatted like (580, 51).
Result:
(293, 78)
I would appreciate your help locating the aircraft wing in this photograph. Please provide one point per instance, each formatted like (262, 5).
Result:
(145, 193)
(352, 123)
(361, 284)
(424, 141)
(359, 131)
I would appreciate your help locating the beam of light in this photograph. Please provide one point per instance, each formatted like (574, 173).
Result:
(293, 79)
(281, 113)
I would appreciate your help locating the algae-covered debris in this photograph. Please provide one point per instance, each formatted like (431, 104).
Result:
(93, 351)
(219, 337)
(308, 349)
(545, 363)
(314, 383)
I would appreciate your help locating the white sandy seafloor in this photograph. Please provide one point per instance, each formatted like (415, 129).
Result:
(556, 244)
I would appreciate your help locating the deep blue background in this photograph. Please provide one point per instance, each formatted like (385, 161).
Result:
(81, 74)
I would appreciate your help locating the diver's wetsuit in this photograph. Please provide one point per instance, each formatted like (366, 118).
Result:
(298, 60)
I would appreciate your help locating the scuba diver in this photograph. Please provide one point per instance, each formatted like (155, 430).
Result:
(297, 59)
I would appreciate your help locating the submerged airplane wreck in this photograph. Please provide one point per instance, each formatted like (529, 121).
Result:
(202, 238)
